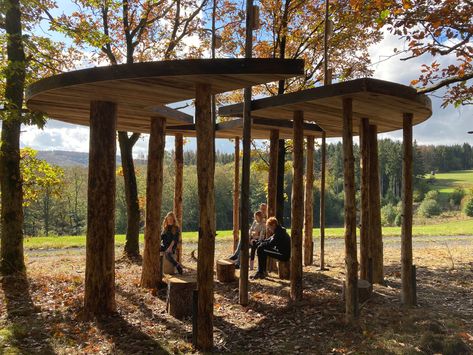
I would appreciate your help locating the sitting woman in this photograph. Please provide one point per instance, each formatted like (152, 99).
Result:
(170, 239)
(257, 235)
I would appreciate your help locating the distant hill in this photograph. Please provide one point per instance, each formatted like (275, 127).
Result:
(65, 158)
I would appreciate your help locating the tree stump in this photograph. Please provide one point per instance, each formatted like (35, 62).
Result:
(272, 265)
(284, 270)
(225, 270)
(179, 295)
(365, 290)
(167, 266)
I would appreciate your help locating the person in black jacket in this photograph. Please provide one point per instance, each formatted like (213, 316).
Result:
(170, 239)
(278, 246)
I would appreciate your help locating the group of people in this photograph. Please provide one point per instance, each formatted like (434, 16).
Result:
(267, 238)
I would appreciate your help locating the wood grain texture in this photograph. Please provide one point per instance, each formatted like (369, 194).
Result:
(365, 243)
(323, 164)
(236, 195)
(351, 263)
(381, 101)
(178, 186)
(206, 245)
(309, 204)
(273, 172)
(151, 272)
(297, 207)
(99, 295)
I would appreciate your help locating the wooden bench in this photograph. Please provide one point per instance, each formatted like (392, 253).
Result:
(225, 270)
(179, 295)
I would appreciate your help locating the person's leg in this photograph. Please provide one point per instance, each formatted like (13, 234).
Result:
(236, 254)
(170, 257)
(262, 256)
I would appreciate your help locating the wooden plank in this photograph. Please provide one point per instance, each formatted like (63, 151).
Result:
(99, 294)
(308, 204)
(178, 186)
(236, 193)
(376, 236)
(206, 246)
(351, 263)
(297, 207)
(407, 291)
(365, 244)
(151, 275)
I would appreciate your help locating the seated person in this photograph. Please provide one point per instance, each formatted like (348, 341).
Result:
(170, 239)
(278, 246)
(257, 233)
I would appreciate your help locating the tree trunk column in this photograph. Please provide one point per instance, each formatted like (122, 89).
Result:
(407, 292)
(179, 165)
(205, 130)
(236, 195)
(297, 206)
(309, 206)
(100, 247)
(351, 264)
(365, 248)
(151, 273)
(376, 237)
(273, 172)
(322, 202)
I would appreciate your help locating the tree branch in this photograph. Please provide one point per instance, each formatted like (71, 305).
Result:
(446, 82)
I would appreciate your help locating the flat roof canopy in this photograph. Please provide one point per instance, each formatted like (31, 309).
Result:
(383, 102)
(140, 88)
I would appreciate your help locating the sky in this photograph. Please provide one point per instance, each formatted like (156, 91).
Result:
(446, 126)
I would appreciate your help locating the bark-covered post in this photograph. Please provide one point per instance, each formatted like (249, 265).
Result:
(309, 205)
(297, 206)
(273, 172)
(99, 292)
(365, 245)
(323, 160)
(236, 195)
(376, 236)
(407, 291)
(178, 185)
(351, 263)
(151, 272)
(205, 130)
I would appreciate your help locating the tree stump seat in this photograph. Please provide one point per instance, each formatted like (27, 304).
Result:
(365, 289)
(179, 295)
(225, 270)
(284, 268)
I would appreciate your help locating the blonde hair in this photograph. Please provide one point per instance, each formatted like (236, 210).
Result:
(272, 221)
(175, 226)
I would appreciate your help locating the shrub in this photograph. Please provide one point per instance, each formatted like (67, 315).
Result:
(429, 208)
(432, 195)
(398, 220)
(468, 209)
(457, 196)
(388, 215)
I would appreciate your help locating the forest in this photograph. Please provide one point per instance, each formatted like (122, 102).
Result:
(56, 202)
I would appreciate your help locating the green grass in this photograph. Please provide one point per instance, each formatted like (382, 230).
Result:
(447, 182)
(452, 228)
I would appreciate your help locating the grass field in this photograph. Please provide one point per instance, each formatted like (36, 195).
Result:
(447, 182)
(452, 228)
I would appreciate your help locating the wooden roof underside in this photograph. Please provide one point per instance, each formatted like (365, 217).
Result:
(384, 103)
(140, 89)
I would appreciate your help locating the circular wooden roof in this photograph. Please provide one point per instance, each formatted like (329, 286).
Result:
(140, 88)
(383, 102)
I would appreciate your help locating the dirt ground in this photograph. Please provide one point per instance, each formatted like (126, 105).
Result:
(43, 315)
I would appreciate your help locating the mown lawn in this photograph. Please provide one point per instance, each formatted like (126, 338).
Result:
(452, 228)
(447, 182)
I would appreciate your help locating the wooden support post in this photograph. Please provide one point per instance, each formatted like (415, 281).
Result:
(323, 161)
(407, 291)
(297, 206)
(273, 172)
(351, 263)
(178, 186)
(99, 296)
(365, 246)
(309, 204)
(205, 130)
(236, 195)
(376, 236)
(151, 275)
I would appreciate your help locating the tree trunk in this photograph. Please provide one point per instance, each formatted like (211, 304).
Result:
(376, 236)
(132, 243)
(178, 186)
(100, 246)
(365, 244)
(273, 172)
(407, 291)
(351, 264)
(11, 256)
(322, 202)
(151, 275)
(205, 173)
(309, 204)
(236, 195)
(297, 206)
(280, 181)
